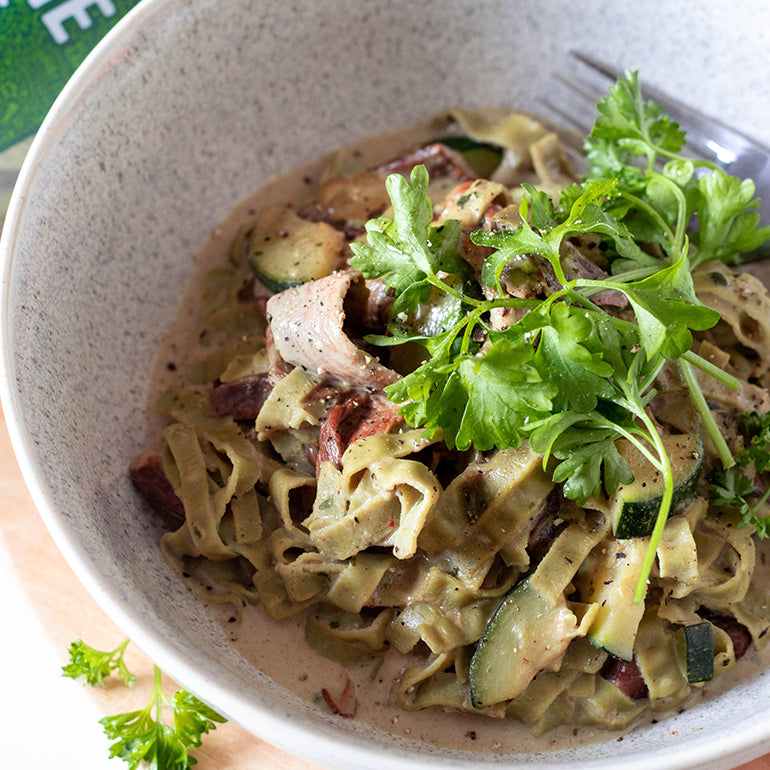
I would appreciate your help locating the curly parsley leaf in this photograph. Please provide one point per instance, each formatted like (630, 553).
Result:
(570, 356)
(479, 400)
(543, 214)
(586, 215)
(143, 735)
(585, 444)
(589, 212)
(137, 738)
(504, 392)
(732, 489)
(420, 390)
(607, 160)
(192, 718)
(756, 428)
(590, 463)
(383, 257)
(94, 665)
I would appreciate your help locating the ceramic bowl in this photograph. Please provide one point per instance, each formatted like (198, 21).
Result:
(183, 110)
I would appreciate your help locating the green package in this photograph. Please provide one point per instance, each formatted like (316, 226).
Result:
(41, 44)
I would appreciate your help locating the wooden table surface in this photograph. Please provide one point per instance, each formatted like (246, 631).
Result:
(67, 612)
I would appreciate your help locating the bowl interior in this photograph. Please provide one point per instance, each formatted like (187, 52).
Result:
(184, 110)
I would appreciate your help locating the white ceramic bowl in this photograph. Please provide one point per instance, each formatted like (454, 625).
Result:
(187, 107)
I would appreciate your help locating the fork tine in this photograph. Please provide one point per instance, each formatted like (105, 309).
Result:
(571, 131)
(563, 115)
(573, 104)
(611, 73)
(676, 110)
(576, 104)
(587, 90)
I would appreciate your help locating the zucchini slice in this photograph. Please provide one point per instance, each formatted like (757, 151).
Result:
(534, 625)
(528, 632)
(695, 651)
(286, 250)
(482, 157)
(611, 585)
(634, 507)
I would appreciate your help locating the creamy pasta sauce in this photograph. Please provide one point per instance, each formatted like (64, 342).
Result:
(269, 643)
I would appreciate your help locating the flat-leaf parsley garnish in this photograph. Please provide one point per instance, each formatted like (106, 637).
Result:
(568, 376)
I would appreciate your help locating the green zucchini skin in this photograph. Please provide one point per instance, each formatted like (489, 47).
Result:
(275, 285)
(482, 157)
(286, 250)
(695, 650)
(528, 632)
(634, 507)
(535, 623)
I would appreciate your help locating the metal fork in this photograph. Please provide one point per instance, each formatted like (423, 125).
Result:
(707, 137)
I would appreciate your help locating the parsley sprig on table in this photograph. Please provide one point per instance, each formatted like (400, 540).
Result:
(94, 665)
(143, 735)
(568, 376)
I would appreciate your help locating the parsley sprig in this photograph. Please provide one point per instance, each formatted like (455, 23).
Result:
(143, 735)
(567, 376)
(94, 665)
(732, 487)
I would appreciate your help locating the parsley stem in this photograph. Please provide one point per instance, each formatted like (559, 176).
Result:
(632, 402)
(703, 163)
(658, 150)
(581, 300)
(511, 302)
(697, 162)
(665, 506)
(651, 376)
(654, 461)
(116, 655)
(705, 365)
(157, 698)
(652, 212)
(635, 275)
(484, 305)
(470, 322)
(447, 289)
(157, 689)
(762, 500)
(696, 394)
(677, 241)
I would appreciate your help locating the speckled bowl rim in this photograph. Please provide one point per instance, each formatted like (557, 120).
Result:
(301, 738)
